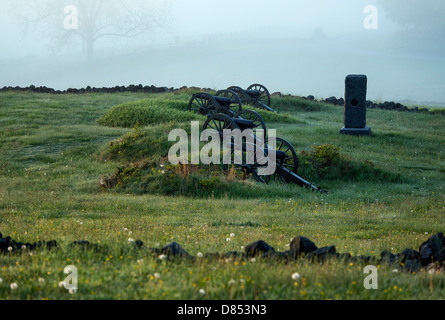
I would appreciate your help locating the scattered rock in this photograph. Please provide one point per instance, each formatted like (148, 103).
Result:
(441, 257)
(408, 254)
(323, 254)
(388, 257)
(9, 245)
(411, 266)
(332, 100)
(175, 250)
(361, 259)
(139, 244)
(233, 255)
(430, 257)
(430, 249)
(258, 248)
(301, 245)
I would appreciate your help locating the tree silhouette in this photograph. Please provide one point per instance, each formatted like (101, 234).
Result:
(422, 15)
(96, 19)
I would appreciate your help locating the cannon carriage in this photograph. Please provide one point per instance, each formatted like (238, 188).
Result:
(225, 114)
(286, 159)
(256, 95)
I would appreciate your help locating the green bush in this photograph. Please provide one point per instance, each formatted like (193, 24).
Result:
(325, 162)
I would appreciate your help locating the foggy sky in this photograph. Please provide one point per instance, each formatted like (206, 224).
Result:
(221, 43)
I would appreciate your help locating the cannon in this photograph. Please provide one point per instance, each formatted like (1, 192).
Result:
(286, 159)
(228, 103)
(256, 95)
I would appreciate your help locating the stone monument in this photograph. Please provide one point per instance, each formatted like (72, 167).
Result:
(355, 106)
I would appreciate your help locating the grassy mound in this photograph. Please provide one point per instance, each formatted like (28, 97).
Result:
(156, 176)
(145, 169)
(155, 111)
(147, 112)
(139, 144)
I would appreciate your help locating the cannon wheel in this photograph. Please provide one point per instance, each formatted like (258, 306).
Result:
(265, 95)
(290, 162)
(254, 117)
(219, 122)
(241, 94)
(236, 105)
(203, 103)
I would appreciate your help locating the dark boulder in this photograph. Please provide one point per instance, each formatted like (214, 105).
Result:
(408, 254)
(301, 245)
(332, 100)
(387, 257)
(174, 249)
(138, 244)
(258, 248)
(212, 256)
(5, 243)
(323, 253)
(412, 266)
(441, 257)
(361, 259)
(430, 249)
(276, 255)
(233, 255)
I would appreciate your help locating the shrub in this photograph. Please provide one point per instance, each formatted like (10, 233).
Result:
(324, 157)
(325, 162)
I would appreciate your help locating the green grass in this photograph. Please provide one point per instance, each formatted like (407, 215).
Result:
(53, 153)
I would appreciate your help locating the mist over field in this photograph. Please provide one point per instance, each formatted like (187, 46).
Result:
(297, 47)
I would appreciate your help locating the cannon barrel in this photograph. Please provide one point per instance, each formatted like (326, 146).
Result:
(292, 177)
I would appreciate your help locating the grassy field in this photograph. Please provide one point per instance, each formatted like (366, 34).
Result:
(54, 151)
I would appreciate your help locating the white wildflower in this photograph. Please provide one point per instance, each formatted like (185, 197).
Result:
(296, 276)
(14, 286)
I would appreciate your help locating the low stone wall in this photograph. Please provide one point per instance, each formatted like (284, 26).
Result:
(387, 105)
(429, 256)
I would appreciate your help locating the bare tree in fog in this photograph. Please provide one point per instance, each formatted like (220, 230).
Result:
(423, 15)
(91, 20)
